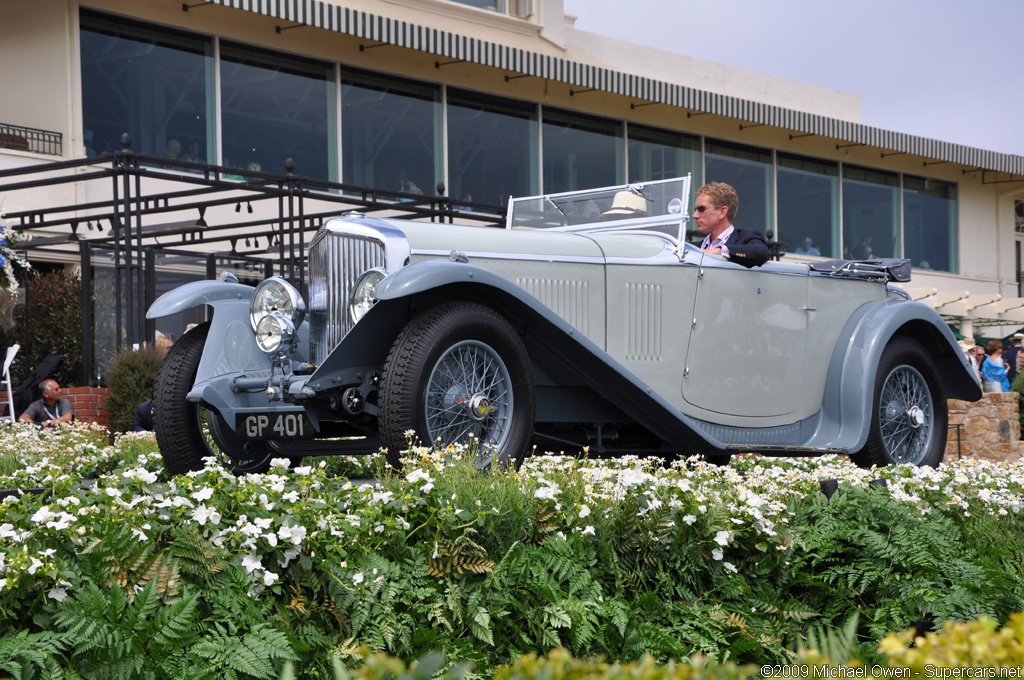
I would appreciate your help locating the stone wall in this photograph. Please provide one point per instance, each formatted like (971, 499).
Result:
(989, 428)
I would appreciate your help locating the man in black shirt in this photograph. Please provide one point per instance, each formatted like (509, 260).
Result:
(49, 411)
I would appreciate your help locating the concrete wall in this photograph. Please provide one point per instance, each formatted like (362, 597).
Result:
(36, 47)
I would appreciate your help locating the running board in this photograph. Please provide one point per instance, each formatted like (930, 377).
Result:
(786, 450)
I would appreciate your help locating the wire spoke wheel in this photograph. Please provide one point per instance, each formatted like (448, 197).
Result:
(459, 374)
(909, 413)
(906, 415)
(469, 394)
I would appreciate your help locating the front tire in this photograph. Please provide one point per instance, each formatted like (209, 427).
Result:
(187, 432)
(909, 414)
(459, 374)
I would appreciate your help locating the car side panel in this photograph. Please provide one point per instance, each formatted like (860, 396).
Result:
(747, 348)
(649, 332)
(573, 290)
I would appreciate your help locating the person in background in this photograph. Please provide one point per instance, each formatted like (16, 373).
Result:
(1010, 356)
(164, 343)
(144, 417)
(173, 149)
(192, 153)
(807, 248)
(968, 346)
(51, 410)
(993, 372)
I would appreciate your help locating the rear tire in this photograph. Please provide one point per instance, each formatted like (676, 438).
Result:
(459, 369)
(187, 432)
(909, 415)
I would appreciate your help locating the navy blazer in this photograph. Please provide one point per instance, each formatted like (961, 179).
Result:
(747, 247)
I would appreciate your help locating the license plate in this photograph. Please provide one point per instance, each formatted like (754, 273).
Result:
(275, 426)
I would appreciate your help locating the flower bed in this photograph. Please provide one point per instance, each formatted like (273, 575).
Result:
(604, 557)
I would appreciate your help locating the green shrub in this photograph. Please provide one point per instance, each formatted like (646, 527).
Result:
(52, 324)
(132, 375)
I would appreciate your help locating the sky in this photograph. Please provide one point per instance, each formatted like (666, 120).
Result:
(941, 69)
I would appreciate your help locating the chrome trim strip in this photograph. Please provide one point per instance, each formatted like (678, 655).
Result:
(486, 255)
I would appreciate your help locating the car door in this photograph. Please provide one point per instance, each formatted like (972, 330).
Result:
(748, 340)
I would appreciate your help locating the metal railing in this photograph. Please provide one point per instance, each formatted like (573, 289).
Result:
(22, 138)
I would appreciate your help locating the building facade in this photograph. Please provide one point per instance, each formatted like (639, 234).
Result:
(480, 100)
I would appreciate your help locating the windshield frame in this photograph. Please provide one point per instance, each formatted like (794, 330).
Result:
(605, 209)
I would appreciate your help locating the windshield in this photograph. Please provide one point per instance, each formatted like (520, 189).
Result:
(660, 206)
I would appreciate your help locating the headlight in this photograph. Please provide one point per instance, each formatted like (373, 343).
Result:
(276, 295)
(275, 333)
(364, 293)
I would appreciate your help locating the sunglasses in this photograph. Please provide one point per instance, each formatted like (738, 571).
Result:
(702, 208)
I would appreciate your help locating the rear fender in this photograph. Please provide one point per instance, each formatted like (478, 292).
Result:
(850, 384)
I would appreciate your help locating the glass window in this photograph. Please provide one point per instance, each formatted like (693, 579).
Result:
(152, 82)
(492, 147)
(390, 133)
(662, 154)
(929, 223)
(749, 170)
(580, 151)
(275, 107)
(808, 205)
(870, 213)
(519, 8)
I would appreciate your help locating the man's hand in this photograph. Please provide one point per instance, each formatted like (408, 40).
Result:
(714, 251)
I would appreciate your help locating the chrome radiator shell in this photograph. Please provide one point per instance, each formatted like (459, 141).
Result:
(339, 253)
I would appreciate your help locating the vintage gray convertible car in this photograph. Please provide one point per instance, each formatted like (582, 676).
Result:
(586, 322)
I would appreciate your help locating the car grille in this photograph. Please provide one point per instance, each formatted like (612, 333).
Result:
(335, 263)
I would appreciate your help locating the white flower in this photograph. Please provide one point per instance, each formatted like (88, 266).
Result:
(588, 530)
(203, 495)
(35, 566)
(548, 492)
(57, 594)
(295, 534)
(282, 463)
(584, 511)
(722, 538)
(251, 562)
(303, 471)
(358, 578)
(418, 475)
(690, 519)
(42, 515)
(291, 496)
(203, 513)
(717, 554)
(729, 567)
(113, 492)
(141, 474)
(269, 578)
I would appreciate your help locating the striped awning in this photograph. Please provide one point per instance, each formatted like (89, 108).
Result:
(348, 21)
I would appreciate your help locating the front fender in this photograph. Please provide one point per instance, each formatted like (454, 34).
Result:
(196, 293)
(850, 384)
(230, 349)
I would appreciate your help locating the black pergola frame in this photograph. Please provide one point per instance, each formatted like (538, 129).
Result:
(135, 237)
